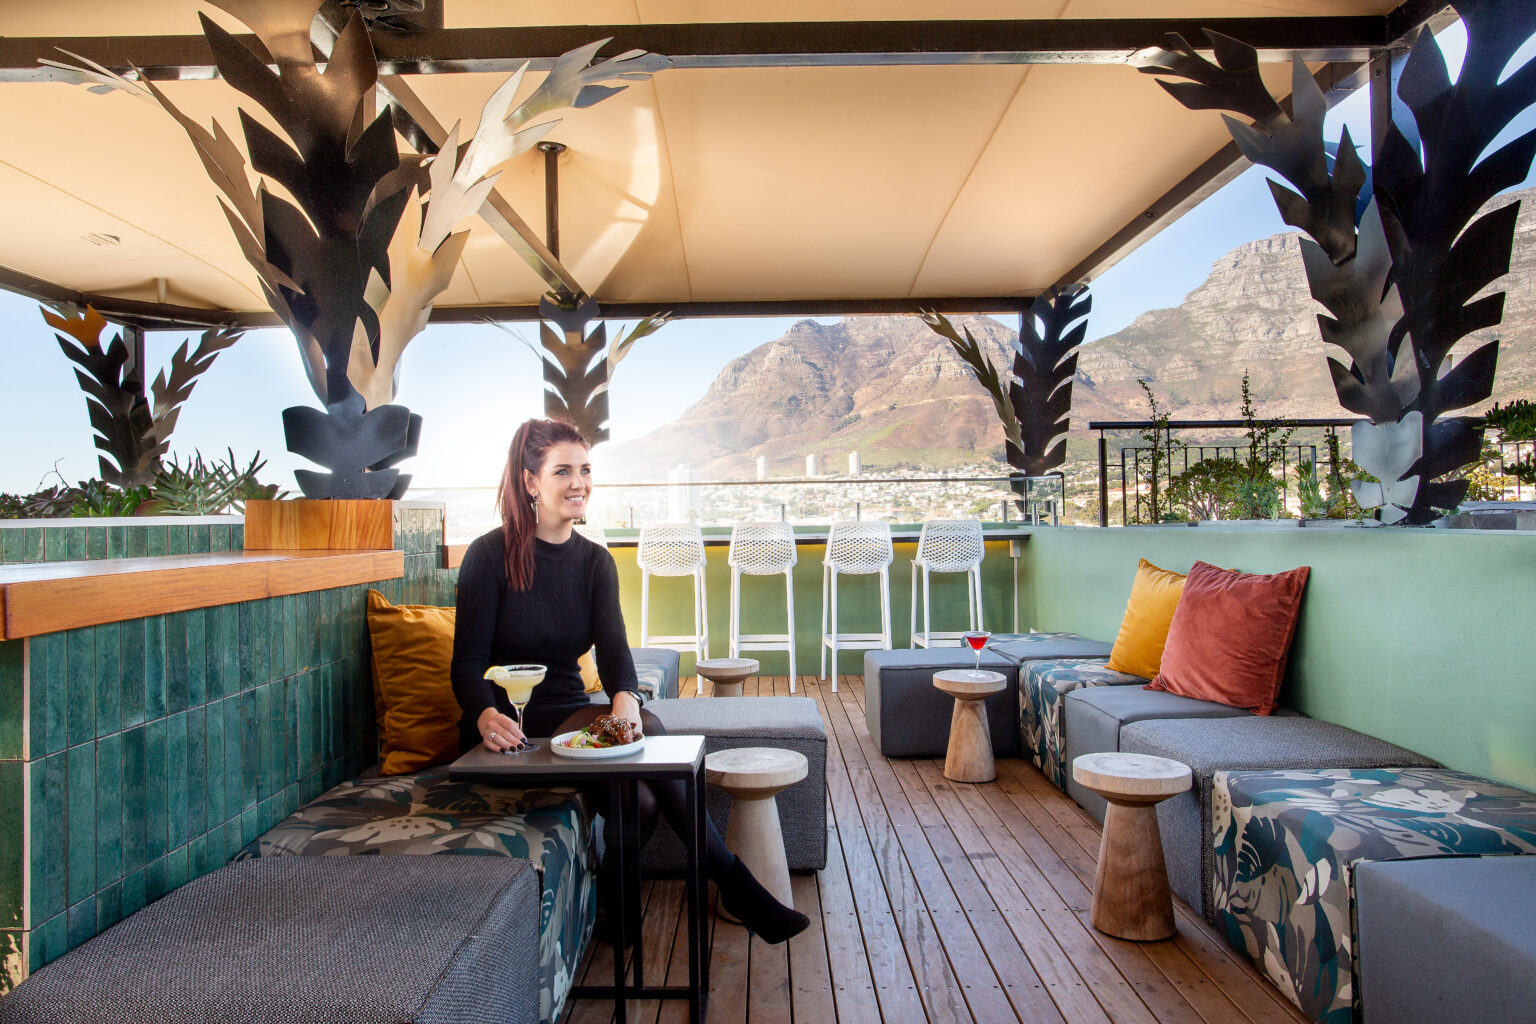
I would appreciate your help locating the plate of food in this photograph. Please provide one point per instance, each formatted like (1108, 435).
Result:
(607, 736)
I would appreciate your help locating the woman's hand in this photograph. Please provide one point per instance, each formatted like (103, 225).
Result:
(499, 733)
(626, 704)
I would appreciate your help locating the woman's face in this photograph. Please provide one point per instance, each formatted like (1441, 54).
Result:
(563, 483)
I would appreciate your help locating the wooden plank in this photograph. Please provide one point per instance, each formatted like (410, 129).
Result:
(70, 595)
(453, 555)
(810, 969)
(768, 995)
(309, 524)
(850, 962)
(728, 977)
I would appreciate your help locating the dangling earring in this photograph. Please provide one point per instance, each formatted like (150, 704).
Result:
(533, 500)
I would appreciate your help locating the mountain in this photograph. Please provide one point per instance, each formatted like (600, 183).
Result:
(896, 393)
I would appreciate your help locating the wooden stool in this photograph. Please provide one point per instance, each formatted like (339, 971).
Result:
(725, 674)
(1130, 886)
(970, 740)
(753, 775)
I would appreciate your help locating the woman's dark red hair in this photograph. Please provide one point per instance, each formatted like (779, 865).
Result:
(530, 445)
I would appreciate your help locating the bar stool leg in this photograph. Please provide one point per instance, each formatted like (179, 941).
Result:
(645, 608)
(927, 600)
(789, 607)
(885, 606)
(912, 618)
(701, 615)
(823, 641)
(980, 618)
(834, 632)
(735, 625)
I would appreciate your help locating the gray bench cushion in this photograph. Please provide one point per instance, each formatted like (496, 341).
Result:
(1092, 718)
(1447, 939)
(727, 723)
(908, 716)
(360, 940)
(1248, 743)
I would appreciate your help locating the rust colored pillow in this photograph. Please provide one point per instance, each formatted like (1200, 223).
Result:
(1231, 635)
(412, 650)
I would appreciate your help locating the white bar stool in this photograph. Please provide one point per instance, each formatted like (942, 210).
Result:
(947, 545)
(857, 549)
(763, 549)
(673, 549)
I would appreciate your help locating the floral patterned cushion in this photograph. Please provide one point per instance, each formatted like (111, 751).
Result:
(653, 681)
(1287, 843)
(428, 813)
(1042, 685)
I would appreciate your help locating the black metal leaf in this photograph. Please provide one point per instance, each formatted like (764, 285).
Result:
(348, 441)
(1470, 381)
(1231, 84)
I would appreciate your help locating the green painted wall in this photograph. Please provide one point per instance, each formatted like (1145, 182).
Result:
(1426, 638)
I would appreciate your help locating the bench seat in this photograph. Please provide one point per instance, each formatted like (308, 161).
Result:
(1042, 685)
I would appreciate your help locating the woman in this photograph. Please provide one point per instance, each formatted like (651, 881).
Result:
(536, 591)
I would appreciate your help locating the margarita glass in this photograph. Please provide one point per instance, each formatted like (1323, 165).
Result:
(518, 681)
(976, 639)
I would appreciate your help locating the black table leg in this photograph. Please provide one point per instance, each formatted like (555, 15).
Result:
(632, 884)
(616, 797)
(698, 956)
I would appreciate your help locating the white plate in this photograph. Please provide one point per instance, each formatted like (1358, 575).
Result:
(558, 745)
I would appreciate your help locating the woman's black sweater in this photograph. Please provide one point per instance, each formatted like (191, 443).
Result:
(572, 606)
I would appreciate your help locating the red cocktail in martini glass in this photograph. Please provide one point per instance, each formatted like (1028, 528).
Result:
(976, 639)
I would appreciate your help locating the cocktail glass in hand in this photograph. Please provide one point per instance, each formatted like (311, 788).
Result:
(518, 681)
(976, 639)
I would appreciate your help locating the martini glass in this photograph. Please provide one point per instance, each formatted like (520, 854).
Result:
(976, 639)
(518, 681)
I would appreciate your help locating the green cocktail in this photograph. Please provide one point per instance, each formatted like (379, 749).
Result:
(518, 681)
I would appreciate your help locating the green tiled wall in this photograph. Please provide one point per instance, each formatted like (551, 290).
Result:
(138, 755)
(69, 539)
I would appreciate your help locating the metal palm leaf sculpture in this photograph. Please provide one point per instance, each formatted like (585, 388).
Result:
(1036, 403)
(133, 431)
(1394, 253)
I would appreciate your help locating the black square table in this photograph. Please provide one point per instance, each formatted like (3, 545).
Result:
(662, 758)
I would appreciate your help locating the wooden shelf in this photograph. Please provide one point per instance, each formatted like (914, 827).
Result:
(46, 597)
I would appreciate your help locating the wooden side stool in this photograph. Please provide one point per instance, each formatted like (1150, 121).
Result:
(753, 776)
(969, 758)
(1130, 885)
(725, 674)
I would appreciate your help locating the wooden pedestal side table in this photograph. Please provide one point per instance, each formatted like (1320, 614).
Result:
(1130, 887)
(970, 740)
(753, 776)
(725, 674)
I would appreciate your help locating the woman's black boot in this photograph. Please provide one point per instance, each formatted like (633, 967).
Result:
(606, 929)
(756, 908)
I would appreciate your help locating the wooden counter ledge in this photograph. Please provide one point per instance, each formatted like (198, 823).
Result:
(46, 597)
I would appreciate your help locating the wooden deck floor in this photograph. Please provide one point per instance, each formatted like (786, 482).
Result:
(942, 902)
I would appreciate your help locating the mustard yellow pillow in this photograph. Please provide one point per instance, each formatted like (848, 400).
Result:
(588, 665)
(412, 650)
(1144, 628)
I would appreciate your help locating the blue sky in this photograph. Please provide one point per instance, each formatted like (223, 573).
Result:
(470, 416)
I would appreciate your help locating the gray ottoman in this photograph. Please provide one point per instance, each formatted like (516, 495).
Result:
(1248, 743)
(1092, 718)
(908, 716)
(361, 940)
(726, 723)
(1447, 939)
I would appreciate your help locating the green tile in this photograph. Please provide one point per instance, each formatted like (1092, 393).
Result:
(314, 627)
(109, 906)
(82, 921)
(138, 541)
(159, 541)
(13, 852)
(96, 542)
(109, 809)
(24, 544)
(215, 771)
(75, 548)
(82, 685)
(131, 640)
(133, 892)
(117, 542)
(250, 825)
(38, 691)
(50, 801)
(261, 723)
(156, 880)
(261, 659)
(197, 771)
(48, 675)
(51, 938)
(198, 539)
(245, 639)
(154, 668)
(109, 678)
(234, 682)
(214, 638)
(234, 758)
(13, 700)
(176, 868)
(82, 822)
(135, 782)
(194, 625)
(277, 640)
(250, 749)
(197, 858)
(156, 798)
(176, 780)
(227, 538)
(55, 544)
(176, 540)
(175, 663)
(292, 758)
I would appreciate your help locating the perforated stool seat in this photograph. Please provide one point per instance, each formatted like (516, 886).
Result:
(673, 549)
(954, 546)
(856, 549)
(763, 549)
(594, 533)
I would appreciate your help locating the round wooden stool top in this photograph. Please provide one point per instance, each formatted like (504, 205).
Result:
(726, 674)
(755, 768)
(969, 683)
(1132, 777)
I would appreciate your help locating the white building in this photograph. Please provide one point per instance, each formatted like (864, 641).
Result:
(682, 495)
(855, 465)
(810, 465)
(762, 467)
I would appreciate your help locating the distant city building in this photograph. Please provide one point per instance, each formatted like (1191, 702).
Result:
(811, 467)
(855, 466)
(762, 467)
(682, 495)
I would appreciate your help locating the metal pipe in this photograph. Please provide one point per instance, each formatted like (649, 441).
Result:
(552, 151)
